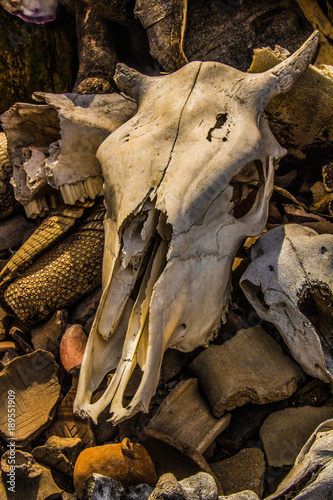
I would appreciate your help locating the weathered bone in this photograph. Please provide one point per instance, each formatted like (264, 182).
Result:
(199, 139)
(290, 284)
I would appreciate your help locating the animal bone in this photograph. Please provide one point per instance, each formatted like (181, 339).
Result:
(59, 150)
(290, 284)
(171, 173)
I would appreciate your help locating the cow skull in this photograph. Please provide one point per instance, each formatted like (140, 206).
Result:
(171, 176)
(290, 284)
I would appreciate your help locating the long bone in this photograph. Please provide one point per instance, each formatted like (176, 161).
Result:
(170, 174)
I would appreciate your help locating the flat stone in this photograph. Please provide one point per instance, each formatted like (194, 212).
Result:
(250, 367)
(98, 487)
(185, 415)
(12, 231)
(242, 495)
(68, 425)
(8, 357)
(30, 382)
(199, 487)
(128, 463)
(32, 481)
(72, 346)
(59, 453)
(47, 335)
(243, 471)
(284, 432)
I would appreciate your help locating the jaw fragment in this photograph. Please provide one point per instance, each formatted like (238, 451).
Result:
(171, 173)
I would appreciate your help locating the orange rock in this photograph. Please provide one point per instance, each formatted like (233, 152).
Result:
(72, 346)
(126, 462)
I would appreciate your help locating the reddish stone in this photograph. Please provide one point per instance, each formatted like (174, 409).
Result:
(72, 346)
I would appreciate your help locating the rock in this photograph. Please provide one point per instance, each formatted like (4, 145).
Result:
(68, 425)
(98, 487)
(22, 339)
(72, 346)
(8, 357)
(126, 462)
(30, 382)
(30, 480)
(12, 231)
(244, 471)
(86, 307)
(60, 453)
(185, 415)
(242, 495)
(46, 336)
(284, 432)
(173, 362)
(199, 487)
(248, 368)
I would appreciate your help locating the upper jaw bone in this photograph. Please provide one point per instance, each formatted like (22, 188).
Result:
(171, 235)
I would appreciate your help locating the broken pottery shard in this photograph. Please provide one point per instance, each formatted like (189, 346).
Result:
(250, 367)
(311, 476)
(290, 284)
(199, 487)
(47, 336)
(35, 391)
(67, 425)
(290, 116)
(98, 486)
(12, 231)
(60, 453)
(170, 224)
(285, 432)
(185, 415)
(72, 347)
(126, 462)
(244, 471)
(32, 480)
(59, 150)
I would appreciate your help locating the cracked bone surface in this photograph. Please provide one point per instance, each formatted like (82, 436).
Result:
(54, 144)
(290, 284)
(172, 173)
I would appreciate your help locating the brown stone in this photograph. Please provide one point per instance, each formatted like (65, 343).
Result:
(68, 425)
(12, 231)
(59, 453)
(86, 307)
(47, 335)
(30, 382)
(250, 367)
(244, 471)
(284, 432)
(72, 346)
(128, 463)
(185, 415)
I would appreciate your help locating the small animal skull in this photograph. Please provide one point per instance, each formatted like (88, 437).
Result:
(290, 283)
(171, 176)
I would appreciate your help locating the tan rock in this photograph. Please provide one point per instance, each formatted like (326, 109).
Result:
(72, 346)
(243, 471)
(47, 335)
(185, 415)
(250, 367)
(284, 432)
(60, 453)
(28, 384)
(128, 463)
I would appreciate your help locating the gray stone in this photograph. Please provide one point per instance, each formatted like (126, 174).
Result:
(86, 307)
(199, 487)
(47, 335)
(60, 453)
(284, 432)
(244, 471)
(250, 367)
(12, 231)
(100, 487)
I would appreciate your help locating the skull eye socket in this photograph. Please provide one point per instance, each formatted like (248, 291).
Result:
(245, 185)
(316, 304)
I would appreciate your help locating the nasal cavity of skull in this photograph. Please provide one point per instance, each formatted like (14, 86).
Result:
(245, 188)
(257, 296)
(221, 119)
(316, 304)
